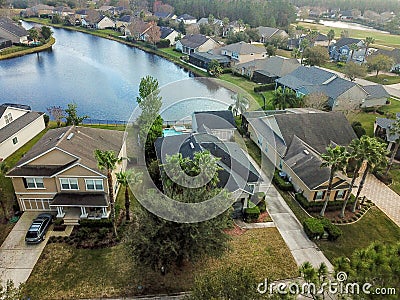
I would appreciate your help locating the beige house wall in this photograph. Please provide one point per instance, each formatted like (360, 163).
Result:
(106, 22)
(208, 45)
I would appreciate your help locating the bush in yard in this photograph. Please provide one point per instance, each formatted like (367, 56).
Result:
(96, 223)
(281, 183)
(252, 214)
(163, 43)
(313, 228)
(262, 206)
(333, 231)
(264, 88)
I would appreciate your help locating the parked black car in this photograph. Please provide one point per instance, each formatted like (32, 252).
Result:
(37, 231)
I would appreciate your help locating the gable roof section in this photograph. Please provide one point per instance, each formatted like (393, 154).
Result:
(346, 41)
(194, 40)
(220, 119)
(306, 76)
(12, 128)
(376, 91)
(317, 130)
(8, 25)
(243, 48)
(267, 32)
(186, 17)
(276, 66)
(165, 31)
(333, 89)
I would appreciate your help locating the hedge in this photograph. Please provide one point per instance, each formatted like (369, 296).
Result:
(282, 183)
(163, 43)
(315, 206)
(333, 231)
(313, 228)
(96, 223)
(252, 214)
(264, 87)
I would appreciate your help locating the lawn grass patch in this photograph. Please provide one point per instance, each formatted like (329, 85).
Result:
(374, 226)
(384, 79)
(23, 50)
(105, 126)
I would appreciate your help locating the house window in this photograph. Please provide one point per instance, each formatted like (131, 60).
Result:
(8, 118)
(340, 194)
(69, 184)
(15, 140)
(34, 183)
(319, 195)
(94, 184)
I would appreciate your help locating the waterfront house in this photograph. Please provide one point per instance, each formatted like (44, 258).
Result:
(202, 59)
(293, 141)
(63, 11)
(5, 43)
(268, 33)
(186, 19)
(219, 123)
(40, 10)
(168, 33)
(18, 125)
(242, 52)
(60, 173)
(268, 69)
(104, 22)
(195, 43)
(11, 31)
(341, 50)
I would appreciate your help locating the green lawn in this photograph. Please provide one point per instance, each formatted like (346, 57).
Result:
(374, 226)
(384, 79)
(389, 40)
(395, 174)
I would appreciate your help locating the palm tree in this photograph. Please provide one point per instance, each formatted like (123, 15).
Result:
(107, 160)
(126, 178)
(240, 105)
(330, 36)
(373, 154)
(368, 41)
(303, 45)
(3, 171)
(335, 158)
(394, 131)
(353, 47)
(278, 99)
(356, 156)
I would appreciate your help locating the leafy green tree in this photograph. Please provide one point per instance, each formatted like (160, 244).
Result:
(336, 159)
(302, 47)
(353, 71)
(394, 130)
(46, 32)
(271, 50)
(373, 154)
(315, 56)
(377, 265)
(10, 291)
(107, 160)
(379, 63)
(181, 27)
(72, 117)
(125, 179)
(33, 34)
(163, 245)
(315, 276)
(230, 282)
(214, 68)
(330, 36)
(56, 19)
(240, 104)
(283, 99)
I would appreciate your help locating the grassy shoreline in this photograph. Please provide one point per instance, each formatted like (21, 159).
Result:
(41, 48)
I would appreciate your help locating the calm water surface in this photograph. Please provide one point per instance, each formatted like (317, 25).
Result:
(99, 75)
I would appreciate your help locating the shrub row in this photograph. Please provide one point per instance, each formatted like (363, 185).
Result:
(315, 229)
(317, 206)
(163, 43)
(96, 223)
(251, 214)
(282, 183)
(264, 87)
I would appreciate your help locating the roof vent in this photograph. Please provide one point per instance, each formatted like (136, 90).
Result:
(70, 136)
(191, 145)
(60, 137)
(306, 152)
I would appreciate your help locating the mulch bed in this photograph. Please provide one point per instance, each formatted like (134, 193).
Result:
(349, 216)
(235, 231)
(264, 217)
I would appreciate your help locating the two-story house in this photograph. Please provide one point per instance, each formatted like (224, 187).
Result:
(60, 173)
(18, 125)
(11, 31)
(242, 52)
(195, 43)
(342, 50)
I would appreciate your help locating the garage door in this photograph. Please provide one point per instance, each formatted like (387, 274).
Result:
(36, 204)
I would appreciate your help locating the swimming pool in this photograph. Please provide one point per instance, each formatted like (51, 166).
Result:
(171, 131)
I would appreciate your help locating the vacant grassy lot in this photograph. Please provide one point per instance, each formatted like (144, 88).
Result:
(64, 272)
(384, 39)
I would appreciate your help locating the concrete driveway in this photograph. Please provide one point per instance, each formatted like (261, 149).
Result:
(17, 259)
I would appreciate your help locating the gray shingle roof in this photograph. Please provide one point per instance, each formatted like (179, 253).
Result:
(333, 89)
(305, 76)
(12, 128)
(209, 56)
(266, 32)
(16, 30)
(244, 48)
(186, 17)
(165, 31)
(194, 40)
(376, 91)
(346, 41)
(98, 199)
(273, 66)
(220, 119)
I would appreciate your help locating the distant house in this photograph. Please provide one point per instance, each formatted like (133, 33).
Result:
(104, 22)
(18, 125)
(394, 54)
(40, 10)
(165, 15)
(340, 50)
(186, 19)
(233, 27)
(320, 40)
(242, 52)
(11, 31)
(202, 59)
(167, 33)
(346, 15)
(5, 43)
(195, 43)
(204, 21)
(267, 33)
(218, 123)
(63, 11)
(123, 22)
(293, 141)
(60, 173)
(268, 69)
(377, 95)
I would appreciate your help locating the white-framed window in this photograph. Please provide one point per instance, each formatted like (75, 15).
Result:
(94, 184)
(15, 140)
(340, 194)
(34, 183)
(8, 118)
(69, 184)
(319, 195)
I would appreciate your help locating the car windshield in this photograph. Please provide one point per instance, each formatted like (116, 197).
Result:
(31, 234)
